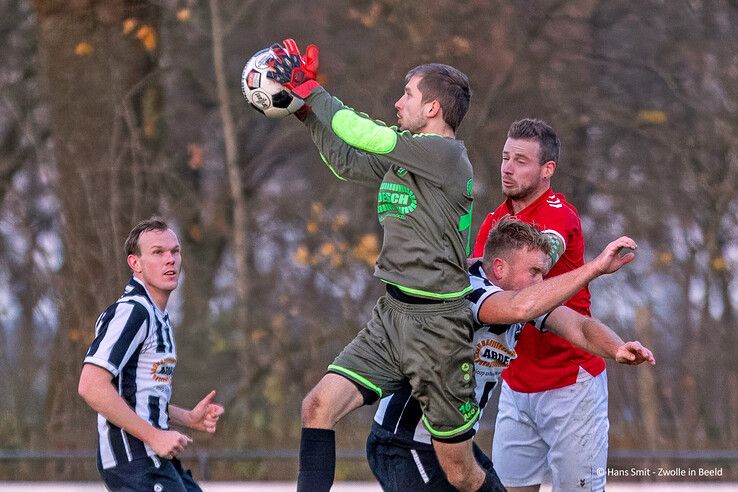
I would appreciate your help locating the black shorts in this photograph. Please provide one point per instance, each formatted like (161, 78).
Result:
(399, 468)
(151, 474)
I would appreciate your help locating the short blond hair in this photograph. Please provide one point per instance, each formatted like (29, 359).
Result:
(511, 234)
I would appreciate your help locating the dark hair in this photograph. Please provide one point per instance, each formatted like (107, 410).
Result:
(541, 132)
(511, 234)
(151, 224)
(448, 85)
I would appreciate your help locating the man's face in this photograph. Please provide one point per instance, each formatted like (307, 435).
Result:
(160, 261)
(411, 110)
(521, 170)
(523, 268)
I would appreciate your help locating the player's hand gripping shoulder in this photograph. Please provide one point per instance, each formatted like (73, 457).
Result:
(610, 260)
(633, 353)
(293, 70)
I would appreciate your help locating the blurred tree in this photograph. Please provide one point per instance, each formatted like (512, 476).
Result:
(98, 60)
(28, 225)
(664, 164)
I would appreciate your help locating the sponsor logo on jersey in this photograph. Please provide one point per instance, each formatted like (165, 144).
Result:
(491, 353)
(395, 200)
(162, 371)
(554, 201)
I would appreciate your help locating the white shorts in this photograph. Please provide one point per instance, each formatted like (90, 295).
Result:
(558, 434)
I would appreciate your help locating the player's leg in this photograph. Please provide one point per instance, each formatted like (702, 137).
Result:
(518, 451)
(329, 401)
(488, 468)
(358, 376)
(576, 429)
(462, 469)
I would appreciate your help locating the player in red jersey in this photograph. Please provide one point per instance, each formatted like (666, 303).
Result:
(552, 419)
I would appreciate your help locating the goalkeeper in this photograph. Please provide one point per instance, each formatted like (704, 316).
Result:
(420, 331)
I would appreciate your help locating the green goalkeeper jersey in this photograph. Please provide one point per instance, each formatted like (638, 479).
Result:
(424, 199)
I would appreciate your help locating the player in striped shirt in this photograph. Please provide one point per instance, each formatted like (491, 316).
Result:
(508, 290)
(127, 374)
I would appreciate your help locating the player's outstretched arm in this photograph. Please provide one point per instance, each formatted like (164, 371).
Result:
(595, 337)
(97, 391)
(514, 306)
(203, 417)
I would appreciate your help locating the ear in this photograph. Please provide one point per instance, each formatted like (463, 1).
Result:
(135, 263)
(549, 168)
(434, 108)
(498, 268)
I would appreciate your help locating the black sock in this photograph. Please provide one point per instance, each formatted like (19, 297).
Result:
(317, 460)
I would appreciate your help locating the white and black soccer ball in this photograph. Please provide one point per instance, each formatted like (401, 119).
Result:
(265, 94)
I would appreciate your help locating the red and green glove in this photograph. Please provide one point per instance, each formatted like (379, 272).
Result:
(293, 70)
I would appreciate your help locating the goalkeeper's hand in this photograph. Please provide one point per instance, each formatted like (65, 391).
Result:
(293, 70)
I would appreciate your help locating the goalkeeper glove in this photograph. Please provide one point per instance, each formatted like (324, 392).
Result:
(294, 71)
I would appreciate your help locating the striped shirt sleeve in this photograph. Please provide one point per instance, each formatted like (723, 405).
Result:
(482, 288)
(119, 331)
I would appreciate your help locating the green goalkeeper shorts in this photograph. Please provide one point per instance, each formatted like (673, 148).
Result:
(426, 345)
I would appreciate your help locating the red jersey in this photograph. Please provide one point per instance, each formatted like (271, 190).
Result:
(546, 361)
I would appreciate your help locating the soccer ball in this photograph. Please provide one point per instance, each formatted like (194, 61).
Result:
(263, 93)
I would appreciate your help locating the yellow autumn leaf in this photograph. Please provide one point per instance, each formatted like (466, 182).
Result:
(311, 227)
(719, 264)
(147, 36)
(129, 25)
(76, 335)
(195, 233)
(327, 249)
(652, 116)
(461, 44)
(366, 249)
(184, 14)
(301, 255)
(83, 48)
(665, 257)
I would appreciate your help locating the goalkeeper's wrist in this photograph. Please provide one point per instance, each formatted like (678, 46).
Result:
(303, 113)
(303, 90)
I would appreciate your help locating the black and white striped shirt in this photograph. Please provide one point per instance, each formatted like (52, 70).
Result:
(399, 418)
(135, 342)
